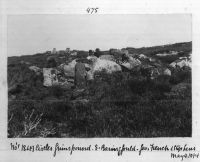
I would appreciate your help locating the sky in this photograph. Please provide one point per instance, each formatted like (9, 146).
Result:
(31, 34)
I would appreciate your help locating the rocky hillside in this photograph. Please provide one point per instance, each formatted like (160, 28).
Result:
(129, 92)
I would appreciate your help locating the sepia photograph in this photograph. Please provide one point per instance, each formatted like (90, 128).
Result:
(83, 76)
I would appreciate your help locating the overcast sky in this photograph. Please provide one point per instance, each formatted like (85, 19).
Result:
(30, 34)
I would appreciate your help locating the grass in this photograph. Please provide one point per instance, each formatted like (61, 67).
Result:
(118, 107)
(123, 104)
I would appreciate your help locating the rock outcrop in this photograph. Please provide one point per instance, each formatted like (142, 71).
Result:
(181, 63)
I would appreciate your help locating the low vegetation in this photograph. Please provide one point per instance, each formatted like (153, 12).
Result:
(121, 104)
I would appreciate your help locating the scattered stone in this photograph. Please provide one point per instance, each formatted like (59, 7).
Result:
(25, 62)
(69, 70)
(92, 58)
(89, 75)
(142, 56)
(107, 57)
(181, 63)
(80, 75)
(74, 53)
(50, 77)
(107, 65)
(167, 72)
(132, 62)
(36, 69)
(167, 54)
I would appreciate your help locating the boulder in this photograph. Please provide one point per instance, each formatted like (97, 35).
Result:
(132, 62)
(181, 63)
(167, 72)
(87, 66)
(80, 75)
(92, 58)
(50, 77)
(69, 69)
(36, 69)
(107, 65)
(142, 56)
(107, 57)
(74, 53)
(152, 59)
(25, 62)
(89, 75)
(167, 54)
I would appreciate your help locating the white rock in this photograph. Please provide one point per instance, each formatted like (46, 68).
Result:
(142, 56)
(107, 57)
(167, 72)
(107, 65)
(35, 69)
(167, 54)
(50, 77)
(73, 54)
(92, 58)
(182, 57)
(89, 75)
(181, 63)
(131, 63)
(69, 69)
(152, 59)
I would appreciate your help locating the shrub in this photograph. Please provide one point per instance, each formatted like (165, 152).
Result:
(51, 62)
(56, 91)
(181, 75)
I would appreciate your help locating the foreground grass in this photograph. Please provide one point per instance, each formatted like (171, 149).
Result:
(161, 118)
(118, 107)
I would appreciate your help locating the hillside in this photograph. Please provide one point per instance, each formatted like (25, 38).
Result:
(131, 92)
(40, 59)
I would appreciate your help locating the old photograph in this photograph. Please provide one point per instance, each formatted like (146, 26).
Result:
(83, 76)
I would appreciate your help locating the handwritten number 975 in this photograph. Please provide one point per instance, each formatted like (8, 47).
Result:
(92, 10)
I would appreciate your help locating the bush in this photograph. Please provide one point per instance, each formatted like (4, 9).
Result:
(121, 104)
(51, 62)
(56, 91)
(181, 75)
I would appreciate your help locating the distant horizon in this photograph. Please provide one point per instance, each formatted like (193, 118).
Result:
(32, 34)
(41, 52)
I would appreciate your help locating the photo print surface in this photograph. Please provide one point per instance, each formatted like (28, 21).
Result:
(99, 76)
